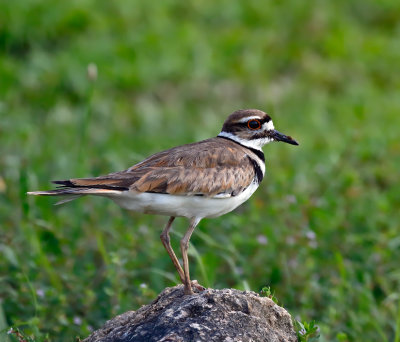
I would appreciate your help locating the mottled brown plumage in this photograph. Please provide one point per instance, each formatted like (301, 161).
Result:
(207, 168)
(204, 179)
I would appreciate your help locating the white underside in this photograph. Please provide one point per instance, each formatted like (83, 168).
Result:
(175, 205)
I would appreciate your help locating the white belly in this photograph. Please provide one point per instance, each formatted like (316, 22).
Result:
(186, 206)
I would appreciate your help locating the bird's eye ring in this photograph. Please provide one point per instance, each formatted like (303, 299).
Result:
(254, 124)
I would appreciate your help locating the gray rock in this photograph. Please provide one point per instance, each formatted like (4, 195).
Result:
(211, 315)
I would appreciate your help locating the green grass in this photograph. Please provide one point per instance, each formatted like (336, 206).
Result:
(323, 229)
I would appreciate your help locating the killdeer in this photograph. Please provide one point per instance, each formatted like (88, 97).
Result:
(205, 179)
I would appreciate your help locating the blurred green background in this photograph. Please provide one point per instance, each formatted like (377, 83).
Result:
(323, 228)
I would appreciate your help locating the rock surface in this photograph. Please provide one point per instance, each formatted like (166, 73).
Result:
(211, 315)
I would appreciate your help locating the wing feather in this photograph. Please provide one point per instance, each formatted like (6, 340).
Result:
(208, 168)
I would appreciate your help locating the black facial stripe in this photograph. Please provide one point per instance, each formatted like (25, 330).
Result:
(266, 119)
(262, 121)
(258, 136)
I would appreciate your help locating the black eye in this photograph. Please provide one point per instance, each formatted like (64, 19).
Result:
(254, 124)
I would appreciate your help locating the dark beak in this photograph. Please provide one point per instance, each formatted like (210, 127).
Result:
(278, 136)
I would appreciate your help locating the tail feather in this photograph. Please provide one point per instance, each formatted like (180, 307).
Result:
(103, 183)
(68, 198)
(66, 183)
(72, 193)
(72, 189)
(69, 194)
(55, 192)
(60, 192)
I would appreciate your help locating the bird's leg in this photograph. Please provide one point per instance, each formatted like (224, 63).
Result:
(167, 244)
(184, 249)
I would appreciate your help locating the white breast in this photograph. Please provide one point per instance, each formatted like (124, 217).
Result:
(175, 205)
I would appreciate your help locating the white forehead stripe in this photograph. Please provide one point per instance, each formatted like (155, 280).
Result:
(269, 126)
(247, 118)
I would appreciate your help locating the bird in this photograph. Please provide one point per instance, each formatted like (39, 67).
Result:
(205, 179)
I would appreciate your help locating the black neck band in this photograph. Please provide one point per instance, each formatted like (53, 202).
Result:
(258, 153)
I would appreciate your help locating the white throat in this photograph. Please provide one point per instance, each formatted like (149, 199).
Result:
(257, 144)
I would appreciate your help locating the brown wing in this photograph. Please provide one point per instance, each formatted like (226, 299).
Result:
(210, 167)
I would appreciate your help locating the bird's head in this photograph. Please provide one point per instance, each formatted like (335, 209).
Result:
(252, 128)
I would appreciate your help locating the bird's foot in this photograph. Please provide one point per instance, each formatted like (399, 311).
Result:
(195, 284)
